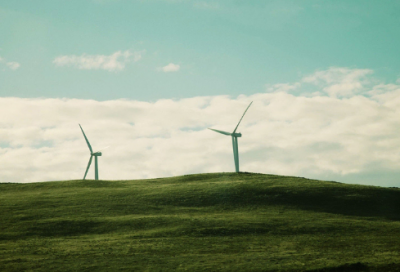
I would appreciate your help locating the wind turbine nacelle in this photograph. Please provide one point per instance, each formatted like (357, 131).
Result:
(237, 134)
(97, 154)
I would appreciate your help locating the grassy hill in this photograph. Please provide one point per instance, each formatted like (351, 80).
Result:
(206, 222)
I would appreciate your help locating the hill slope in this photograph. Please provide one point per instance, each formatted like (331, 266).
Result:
(205, 222)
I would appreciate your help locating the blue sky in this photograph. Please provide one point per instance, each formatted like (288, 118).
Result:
(222, 47)
(149, 77)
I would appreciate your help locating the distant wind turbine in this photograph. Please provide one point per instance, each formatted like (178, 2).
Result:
(92, 154)
(234, 136)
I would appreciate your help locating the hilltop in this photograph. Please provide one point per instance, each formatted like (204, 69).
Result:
(204, 222)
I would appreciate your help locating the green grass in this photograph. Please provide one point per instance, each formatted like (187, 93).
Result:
(206, 222)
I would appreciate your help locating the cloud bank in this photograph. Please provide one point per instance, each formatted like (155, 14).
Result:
(329, 131)
(113, 62)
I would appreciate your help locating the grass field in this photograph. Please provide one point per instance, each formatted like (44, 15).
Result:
(205, 222)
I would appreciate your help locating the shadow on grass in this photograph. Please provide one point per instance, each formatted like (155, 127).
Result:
(224, 231)
(344, 268)
(65, 228)
(360, 267)
(371, 202)
(319, 196)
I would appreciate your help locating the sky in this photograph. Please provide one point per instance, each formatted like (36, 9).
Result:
(147, 78)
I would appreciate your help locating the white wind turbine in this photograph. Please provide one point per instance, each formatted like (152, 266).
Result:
(234, 136)
(92, 154)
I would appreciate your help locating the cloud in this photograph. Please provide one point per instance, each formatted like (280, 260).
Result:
(138, 55)
(170, 68)
(340, 82)
(283, 87)
(113, 62)
(10, 64)
(316, 136)
(13, 65)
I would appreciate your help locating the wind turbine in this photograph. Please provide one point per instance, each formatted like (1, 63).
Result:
(234, 136)
(92, 154)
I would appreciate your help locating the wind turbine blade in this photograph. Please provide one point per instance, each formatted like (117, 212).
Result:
(87, 141)
(242, 116)
(220, 131)
(88, 166)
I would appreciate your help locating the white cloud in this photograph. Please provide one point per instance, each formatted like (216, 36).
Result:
(340, 82)
(170, 68)
(313, 136)
(13, 65)
(10, 64)
(138, 55)
(283, 87)
(113, 62)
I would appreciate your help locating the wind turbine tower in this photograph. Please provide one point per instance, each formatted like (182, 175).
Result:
(234, 136)
(92, 154)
